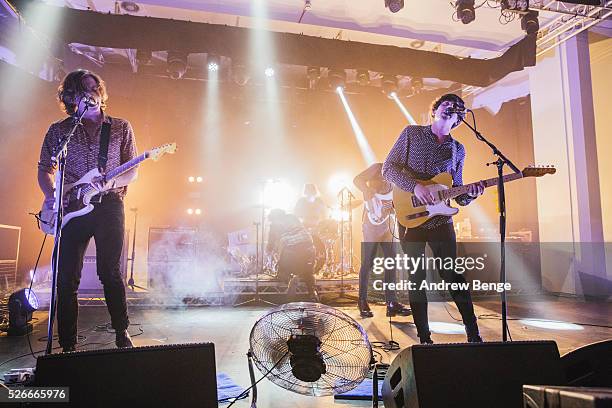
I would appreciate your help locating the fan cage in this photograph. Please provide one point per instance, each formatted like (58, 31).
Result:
(345, 347)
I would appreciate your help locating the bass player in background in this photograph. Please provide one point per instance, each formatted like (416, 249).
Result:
(82, 90)
(377, 196)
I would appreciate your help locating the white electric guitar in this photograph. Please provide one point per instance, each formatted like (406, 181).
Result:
(78, 195)
(379, 208)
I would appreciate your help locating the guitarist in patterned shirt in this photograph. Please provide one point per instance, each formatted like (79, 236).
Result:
(422, 152)
(81, 89)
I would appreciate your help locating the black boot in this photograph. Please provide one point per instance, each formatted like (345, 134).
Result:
(396, 308)
(364, 310)
(68, 349)
(473, 336)
(123, 340)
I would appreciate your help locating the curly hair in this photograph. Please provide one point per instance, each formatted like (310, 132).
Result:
(456, 99)
(73, 85)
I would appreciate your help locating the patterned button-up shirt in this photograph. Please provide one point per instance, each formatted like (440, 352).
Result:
(84, 146)
(418, 150)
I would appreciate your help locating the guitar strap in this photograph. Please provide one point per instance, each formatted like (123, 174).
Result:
(104, 141)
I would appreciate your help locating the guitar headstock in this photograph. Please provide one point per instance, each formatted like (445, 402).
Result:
(158, 152)
(538, 171)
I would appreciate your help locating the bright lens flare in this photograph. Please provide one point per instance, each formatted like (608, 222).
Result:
(279, 194)
(338, 181)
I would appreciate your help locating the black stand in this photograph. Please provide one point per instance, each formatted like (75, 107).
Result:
(500, 162)
(132, 257)
(61, 151)
(346, 205)
(260, 254)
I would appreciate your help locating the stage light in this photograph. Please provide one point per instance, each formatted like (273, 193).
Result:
(191, 179)
(465, 11)
(177, 64)
(199, 179)
(530, 23)
(198, 211)
(313, 74)
(279, 194)
(21, 305)
(363, 77)
(338, 181)
(144, 57)
(515, 5)
(190, 211)
(213, 62)
(269, 72)
(394, 5)
(337, 78)
(339, 215)
(389, 84)
(416, 85)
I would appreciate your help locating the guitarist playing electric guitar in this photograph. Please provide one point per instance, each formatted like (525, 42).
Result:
(377, 195)
(428, 151)
(82, 90)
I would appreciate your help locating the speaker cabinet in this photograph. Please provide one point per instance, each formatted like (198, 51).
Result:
(590, 365)
(180, 375)
(470, 375)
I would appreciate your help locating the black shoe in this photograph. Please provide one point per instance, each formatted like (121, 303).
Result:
(364, 310)
(427, 340)
(68, 349)
(123, 340)
(396, 308)
(474, 338)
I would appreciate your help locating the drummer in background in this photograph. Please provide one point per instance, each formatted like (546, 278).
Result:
(310, 208)
(376, 234)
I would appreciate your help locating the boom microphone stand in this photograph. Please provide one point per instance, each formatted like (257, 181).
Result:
(60, 153)
(500, 162)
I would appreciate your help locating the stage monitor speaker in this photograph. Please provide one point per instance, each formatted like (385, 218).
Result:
(471, 375)
(590, 365)
(179, 375)
(540, 396)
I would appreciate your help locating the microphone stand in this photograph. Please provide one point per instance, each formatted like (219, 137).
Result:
(132, 258)
(500, 162)
(60, 153)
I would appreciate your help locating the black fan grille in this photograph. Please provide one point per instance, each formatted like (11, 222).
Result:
(345, 347)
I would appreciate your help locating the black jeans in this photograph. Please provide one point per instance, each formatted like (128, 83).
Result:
(368, 253)
(106, 224)
(298, 260)
(443, 244)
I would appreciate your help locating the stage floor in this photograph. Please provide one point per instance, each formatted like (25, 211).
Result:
(229, 329)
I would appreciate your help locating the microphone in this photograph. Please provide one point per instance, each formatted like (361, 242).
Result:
(455, 109)
(89, 101)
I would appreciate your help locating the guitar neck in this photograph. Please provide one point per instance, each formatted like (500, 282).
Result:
(457, 191)
(116, 172)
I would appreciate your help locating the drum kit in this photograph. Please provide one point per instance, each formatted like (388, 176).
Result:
(332, 239)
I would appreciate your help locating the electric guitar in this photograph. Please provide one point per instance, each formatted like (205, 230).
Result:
(411, 213)
(379, 208)
(78, 195)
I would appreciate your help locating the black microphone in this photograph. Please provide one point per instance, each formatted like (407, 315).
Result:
(455, 109)
(89, 101)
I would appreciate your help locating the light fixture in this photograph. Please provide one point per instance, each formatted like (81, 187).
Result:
(394, 5)
(465, 11)
(213, 63)
(363, 77)
(389, 84)
(144, 57)
(515, 5)
(191, 179)
(21, 305)
(337, 78)
(269, 72)
(199, 179)
(190, 211)
(313, 74)
(416, 85)
(530, 23)
(176, 64)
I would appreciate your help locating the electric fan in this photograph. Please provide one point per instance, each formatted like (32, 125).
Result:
(310, 349)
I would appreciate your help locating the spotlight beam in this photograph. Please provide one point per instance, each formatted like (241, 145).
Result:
(403, 108)
(362, 141)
